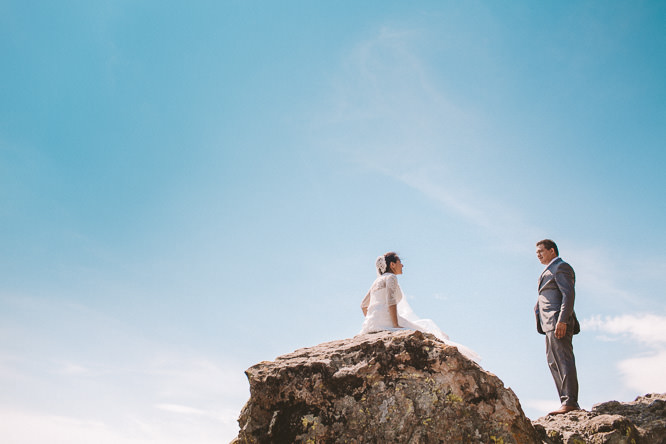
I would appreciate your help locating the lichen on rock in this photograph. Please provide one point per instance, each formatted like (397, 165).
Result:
(386, 387)
(642, 421)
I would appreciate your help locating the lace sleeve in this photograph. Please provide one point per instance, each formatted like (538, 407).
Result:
(393, 290)
(366, 301)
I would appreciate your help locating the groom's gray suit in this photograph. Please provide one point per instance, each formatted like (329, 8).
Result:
(556, 304)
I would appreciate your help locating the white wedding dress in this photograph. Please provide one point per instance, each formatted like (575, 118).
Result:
(384, 292)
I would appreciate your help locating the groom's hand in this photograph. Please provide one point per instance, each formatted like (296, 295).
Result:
(560, 330)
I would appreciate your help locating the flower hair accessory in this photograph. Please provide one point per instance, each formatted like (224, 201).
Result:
(381, 265)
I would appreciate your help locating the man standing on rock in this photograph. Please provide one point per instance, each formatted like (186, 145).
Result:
(556, 319)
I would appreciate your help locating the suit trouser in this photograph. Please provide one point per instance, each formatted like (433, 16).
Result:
(562, 363)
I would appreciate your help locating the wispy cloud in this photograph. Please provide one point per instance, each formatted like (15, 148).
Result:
(647, 329)
(393, 117)
(181, 377)
(226, 415)
(181, 399)
(70, 368)
(601, 275)
(176, 408)
(487, 212)
(30, 427)
(167, 394)
(386, 107)
(20, 427)
(391, 114)
(644, 373)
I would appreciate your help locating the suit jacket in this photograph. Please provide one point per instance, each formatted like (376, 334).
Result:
(556, 298)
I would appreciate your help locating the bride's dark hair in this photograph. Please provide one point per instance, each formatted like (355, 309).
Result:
(390, 258)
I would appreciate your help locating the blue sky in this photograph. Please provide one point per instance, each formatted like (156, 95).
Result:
(190, 188)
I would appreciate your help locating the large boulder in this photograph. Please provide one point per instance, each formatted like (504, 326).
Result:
(387, 387)
(642, 421)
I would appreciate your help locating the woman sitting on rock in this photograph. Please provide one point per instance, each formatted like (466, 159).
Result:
(385, 308)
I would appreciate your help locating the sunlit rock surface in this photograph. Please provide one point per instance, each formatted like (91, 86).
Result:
(642, 421)
(388, 387)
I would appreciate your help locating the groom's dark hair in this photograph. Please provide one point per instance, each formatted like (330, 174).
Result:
(548, 245)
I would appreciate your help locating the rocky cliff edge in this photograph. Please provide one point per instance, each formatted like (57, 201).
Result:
(387, 387)
(408, 387)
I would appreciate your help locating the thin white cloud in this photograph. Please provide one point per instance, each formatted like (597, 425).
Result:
(228, 417)
(646, 373)
(387, 106)
(29, 427)
(653, 268)
(71, 368)
(392, 116)
(176, 408)
(490, 214)
(207, 397)
(648, 329)
(598, 275)
(152, 381)
(395, 119)
(643, 373)
(10, 367)
(420, 181)
(182, 377)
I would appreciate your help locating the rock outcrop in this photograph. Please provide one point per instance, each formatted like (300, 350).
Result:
(642, 421)
(408, 387)
(387, 387)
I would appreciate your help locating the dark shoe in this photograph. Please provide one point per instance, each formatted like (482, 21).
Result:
(563, 409)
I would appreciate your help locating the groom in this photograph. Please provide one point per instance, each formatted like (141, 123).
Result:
(556, 319)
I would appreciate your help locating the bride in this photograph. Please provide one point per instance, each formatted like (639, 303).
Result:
(385, 308)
